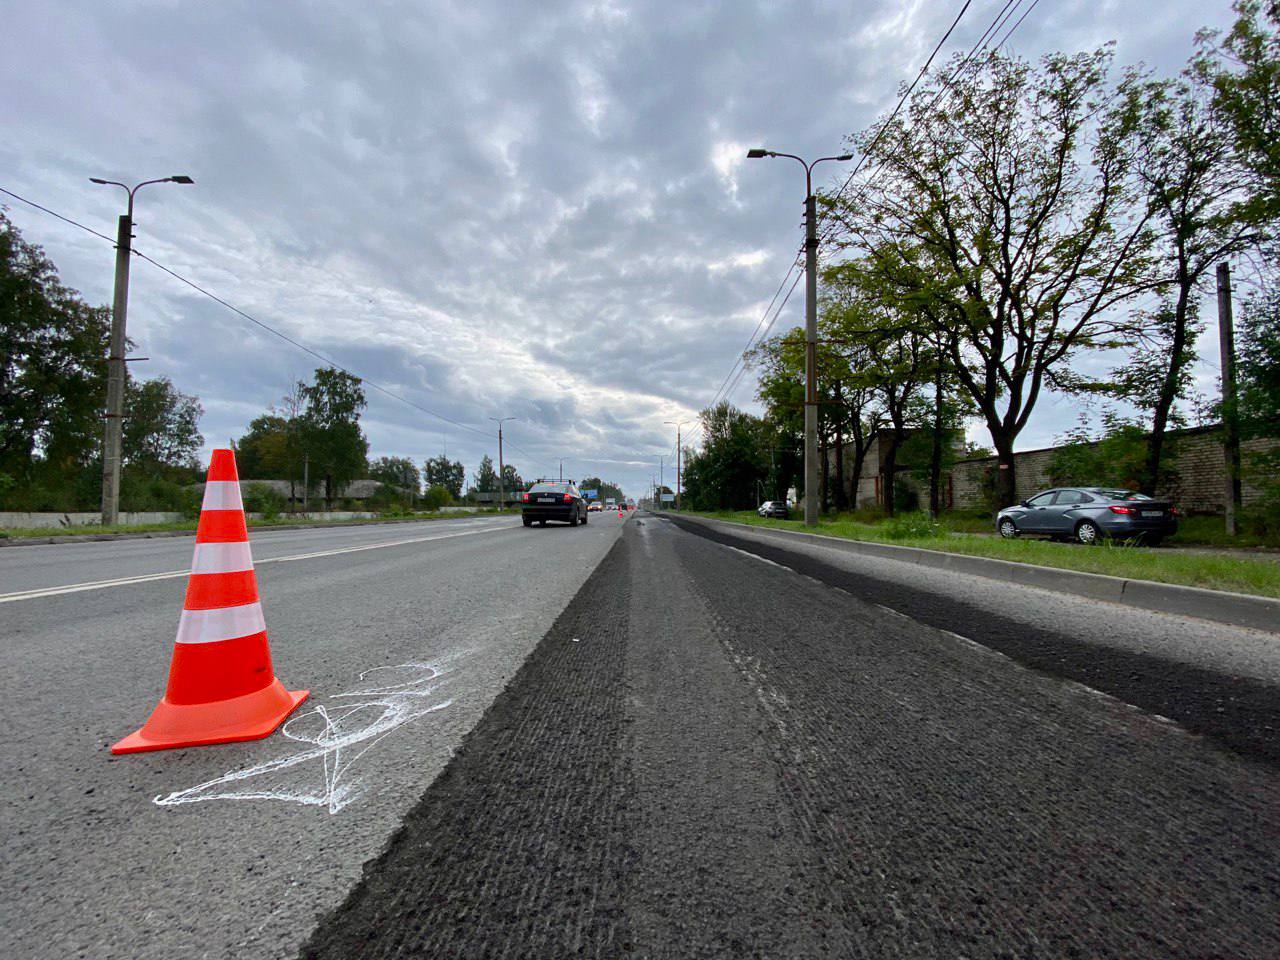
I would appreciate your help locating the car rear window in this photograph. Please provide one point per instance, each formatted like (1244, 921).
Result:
(549, 488)
(1123, 495)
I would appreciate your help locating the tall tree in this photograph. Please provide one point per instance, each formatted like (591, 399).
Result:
(399, 472)
(161, 427)
(725, 473)
(1001, 199)
(52, 378)
(443, 472)
(1184, 159)
(1244, 68)
(330, 429)
(486, 479)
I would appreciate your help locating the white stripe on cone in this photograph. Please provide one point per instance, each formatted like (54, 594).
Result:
(211, 626)
(222, 558)
(222, 495)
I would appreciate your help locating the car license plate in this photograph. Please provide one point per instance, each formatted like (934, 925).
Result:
(1153, 513)
(546, 499)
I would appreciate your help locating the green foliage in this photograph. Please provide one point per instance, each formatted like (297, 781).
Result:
(437, 497)
(261, 498)
(486, 479)
(52, 391)
(914, 525)
(1116, 458)
(1244, 68)
(52, 378)
(400, 472)
(725, 474)
(605, 488)
(330, 428)
(1259, 365)
(446, 473)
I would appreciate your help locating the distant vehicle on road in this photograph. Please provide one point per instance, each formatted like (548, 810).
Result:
(593, 506)
(611, 504)
(774, 508)
(1089, 515)
(553, 500)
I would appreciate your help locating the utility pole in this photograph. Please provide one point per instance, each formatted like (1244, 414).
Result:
(662, 478)
(306, 481)
(810, 329)
(1231, 497)
(562, 469)
(501, 468)
(679, 453)
(114, 416)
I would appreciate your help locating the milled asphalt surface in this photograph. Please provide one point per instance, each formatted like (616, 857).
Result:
(713, 753)
(95, 868)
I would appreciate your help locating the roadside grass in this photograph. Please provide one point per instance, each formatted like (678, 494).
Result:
(189, 526)
(1240, 574)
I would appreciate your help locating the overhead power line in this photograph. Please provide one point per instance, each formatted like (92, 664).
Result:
(254, 320)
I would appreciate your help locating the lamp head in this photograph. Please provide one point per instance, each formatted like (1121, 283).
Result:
(845, 156)
(756, 153)
(181, 178)
(96, 180)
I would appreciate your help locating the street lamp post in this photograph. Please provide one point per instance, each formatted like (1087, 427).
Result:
(810, 329)
(679, 452)
(115, 358)
(502, 493)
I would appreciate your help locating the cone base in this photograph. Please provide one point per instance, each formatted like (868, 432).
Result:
(250, 717)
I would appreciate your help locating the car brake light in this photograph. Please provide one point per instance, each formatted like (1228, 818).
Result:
(1122, 510)
(525, 497)
(1173, 512)
(568, 498)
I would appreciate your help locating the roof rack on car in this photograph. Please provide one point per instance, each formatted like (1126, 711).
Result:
(554, 480)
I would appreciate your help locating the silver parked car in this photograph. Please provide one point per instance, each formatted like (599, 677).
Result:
(1090, 514)
(774, 508)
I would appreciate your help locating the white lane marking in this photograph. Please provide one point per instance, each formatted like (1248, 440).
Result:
(362, 717)
(755, 556)
(171, 574)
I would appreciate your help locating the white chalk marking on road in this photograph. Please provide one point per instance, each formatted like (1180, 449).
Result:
(360, 719)
(172, 574)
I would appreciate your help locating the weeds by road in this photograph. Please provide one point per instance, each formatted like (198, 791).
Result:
(1239, 573)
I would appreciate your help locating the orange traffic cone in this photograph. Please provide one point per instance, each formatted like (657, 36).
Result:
(222, 687)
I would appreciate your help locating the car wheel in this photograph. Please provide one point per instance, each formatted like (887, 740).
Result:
(1008, 529)
(1153, 541)
(573, 521)
(1088, 533)
(527, 521)
(584, 519)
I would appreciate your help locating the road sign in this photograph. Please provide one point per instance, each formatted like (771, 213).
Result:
(668, 498)
(590, 494)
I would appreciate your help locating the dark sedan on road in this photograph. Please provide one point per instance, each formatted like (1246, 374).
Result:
(1089, 515)
(553, 500)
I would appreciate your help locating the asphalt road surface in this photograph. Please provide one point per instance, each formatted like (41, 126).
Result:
(671, 741)
(437, 616)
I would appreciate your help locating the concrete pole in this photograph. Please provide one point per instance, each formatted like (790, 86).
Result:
(662, 478)
(111, 440)
(679, 454)
(1231, 497)
(501, 469)
(811, 481)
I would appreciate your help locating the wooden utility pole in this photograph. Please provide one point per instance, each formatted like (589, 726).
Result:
(1231, 496)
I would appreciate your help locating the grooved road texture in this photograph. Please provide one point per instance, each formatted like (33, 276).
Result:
(519, 848)
(736, 760)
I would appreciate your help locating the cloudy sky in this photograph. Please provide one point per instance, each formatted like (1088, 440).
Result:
(528, 209)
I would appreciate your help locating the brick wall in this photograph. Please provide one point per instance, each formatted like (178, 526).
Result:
(1198, 460)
